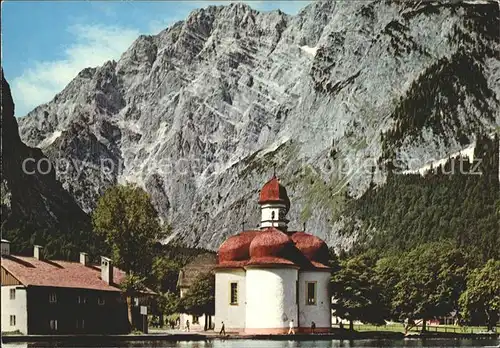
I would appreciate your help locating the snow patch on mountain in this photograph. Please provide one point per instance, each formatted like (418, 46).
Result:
(310, 50)
(466, 153)
(50, 139)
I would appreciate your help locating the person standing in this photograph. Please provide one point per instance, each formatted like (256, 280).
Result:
(313, 327)
(187, 325)
(222, 329)
(291, 331)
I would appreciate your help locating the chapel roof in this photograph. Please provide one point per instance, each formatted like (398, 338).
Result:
(271, 246)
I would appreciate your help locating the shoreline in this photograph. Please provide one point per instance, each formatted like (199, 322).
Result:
(208, 337)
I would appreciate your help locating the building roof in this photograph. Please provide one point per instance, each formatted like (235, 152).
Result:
(201, 264)
(237, 247)
(270, 242)
(274, 192)
(271, 246)
(34, 272)
(311, 246)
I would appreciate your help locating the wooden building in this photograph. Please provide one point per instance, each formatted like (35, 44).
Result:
(41, 296)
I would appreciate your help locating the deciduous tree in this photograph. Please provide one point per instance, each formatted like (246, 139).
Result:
(200, 297)
(431, 278)
(482, 295)
(356, 292)
(130, 226)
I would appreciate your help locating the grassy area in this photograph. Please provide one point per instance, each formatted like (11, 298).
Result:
(430, 328)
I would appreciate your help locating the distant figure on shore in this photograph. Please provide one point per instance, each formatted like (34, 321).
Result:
(222, 329)
(291, 331)
(313, 327)
(187, 325)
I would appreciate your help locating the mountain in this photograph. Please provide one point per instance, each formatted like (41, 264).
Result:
(201, 113)
(34, 204)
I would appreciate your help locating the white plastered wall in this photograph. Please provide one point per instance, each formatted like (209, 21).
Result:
(320, 312)
(271, 297)
(232, 315)
(17, 307)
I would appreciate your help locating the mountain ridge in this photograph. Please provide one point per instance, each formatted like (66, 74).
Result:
(200, 113)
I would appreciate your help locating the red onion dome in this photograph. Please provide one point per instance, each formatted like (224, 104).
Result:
(236, 248)
(274, 192)
(270, 242)
(311, 246)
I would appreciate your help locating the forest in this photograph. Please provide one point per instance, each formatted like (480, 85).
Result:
(459, 201)
(427, 247)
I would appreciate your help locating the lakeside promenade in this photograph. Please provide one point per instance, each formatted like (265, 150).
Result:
(176, 335)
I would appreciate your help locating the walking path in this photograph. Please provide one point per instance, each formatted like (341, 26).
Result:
(177, 335)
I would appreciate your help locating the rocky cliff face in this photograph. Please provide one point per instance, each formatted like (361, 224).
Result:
(200, 113)
(32, 198)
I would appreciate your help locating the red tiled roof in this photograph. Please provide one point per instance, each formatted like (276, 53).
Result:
(236, 248)
(33, 272)
(319, 265)
(231, 264)
(272, 246)
(269, 243)
(270, 260)
(311, 246)
(273, 191)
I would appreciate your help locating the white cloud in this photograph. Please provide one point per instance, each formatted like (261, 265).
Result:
(93, 46)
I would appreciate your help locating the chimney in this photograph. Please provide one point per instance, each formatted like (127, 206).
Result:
(84, 259)
(106, 270)
(37, 252)
(5, 247)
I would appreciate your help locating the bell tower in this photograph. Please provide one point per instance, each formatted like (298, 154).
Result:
(274, 205)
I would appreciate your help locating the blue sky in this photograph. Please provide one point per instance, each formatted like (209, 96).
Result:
(46, 43)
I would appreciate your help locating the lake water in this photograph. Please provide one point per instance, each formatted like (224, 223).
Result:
(448, 343)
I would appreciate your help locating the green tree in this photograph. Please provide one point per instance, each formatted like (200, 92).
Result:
(482, 295)
(166, 303)
(165, 273)
(356, 292)
(130, 226)
(170, 303)
(387, 275)
(431, 278)
(131, 285)
(200, 297)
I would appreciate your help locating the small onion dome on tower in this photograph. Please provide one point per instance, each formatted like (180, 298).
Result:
(274, 192)
(270, 247)
(311, 247)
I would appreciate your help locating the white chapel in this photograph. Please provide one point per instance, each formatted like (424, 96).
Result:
(266, 278)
